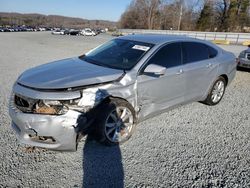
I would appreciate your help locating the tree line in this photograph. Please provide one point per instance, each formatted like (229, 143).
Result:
(36, 20)
(202, 15)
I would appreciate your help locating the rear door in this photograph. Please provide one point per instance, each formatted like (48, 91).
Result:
(199, 68)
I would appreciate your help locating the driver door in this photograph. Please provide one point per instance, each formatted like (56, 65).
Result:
(156, 93)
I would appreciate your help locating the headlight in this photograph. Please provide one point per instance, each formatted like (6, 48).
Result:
(50, 107)
(90, 98)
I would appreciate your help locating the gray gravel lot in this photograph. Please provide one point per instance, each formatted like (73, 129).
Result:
(191, 146)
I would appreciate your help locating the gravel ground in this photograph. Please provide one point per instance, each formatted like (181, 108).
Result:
(191, 146)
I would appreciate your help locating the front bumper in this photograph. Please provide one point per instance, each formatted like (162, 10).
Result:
(244, 63)
(56, 132)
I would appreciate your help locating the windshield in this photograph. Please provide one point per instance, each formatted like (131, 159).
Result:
(118, 54)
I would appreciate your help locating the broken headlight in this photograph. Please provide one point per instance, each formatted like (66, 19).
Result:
(50, 107)
(90, 98)
(56, 107)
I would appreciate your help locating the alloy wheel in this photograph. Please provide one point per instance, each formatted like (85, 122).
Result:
(119, 124)
(218, 91)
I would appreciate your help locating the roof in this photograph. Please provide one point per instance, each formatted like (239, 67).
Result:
(154, 38)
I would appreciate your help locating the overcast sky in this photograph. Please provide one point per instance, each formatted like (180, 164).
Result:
(89, 9)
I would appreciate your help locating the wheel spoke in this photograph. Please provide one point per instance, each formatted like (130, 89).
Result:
(111, 130)
(114, 117)
(115, 136)
(128, 124)
(213, 96)
(216, 86)
(216, 98)
(124, 112)
(110, 125)
(221, 89)
(119, 136)
(222, 86)
(125, 117)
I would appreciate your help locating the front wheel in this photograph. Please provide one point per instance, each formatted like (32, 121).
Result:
(216, 92)
(115, 123)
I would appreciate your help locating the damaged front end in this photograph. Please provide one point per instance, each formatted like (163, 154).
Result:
(53, 120)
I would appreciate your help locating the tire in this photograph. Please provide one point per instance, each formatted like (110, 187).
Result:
(110, 127)
(216, 93)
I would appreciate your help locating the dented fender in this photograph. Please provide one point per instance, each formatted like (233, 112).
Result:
(125, 89)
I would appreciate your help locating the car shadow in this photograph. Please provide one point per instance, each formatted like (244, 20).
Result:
(241, 69)
(102, 165)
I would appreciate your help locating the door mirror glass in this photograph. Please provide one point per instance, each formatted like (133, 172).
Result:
(155, 70)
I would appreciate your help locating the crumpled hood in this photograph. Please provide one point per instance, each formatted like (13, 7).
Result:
(67, 73)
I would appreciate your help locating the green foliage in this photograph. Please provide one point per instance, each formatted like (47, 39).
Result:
(215, 15)
(237, 15)
(206, 19)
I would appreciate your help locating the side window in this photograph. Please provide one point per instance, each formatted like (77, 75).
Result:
(212, 52)
(193, 51)
(168, 56)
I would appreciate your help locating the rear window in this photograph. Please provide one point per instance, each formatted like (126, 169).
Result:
(193, 51)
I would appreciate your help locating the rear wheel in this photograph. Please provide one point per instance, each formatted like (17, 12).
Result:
(217, 92)
(115, 123)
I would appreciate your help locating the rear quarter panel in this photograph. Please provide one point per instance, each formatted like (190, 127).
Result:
(225, 65)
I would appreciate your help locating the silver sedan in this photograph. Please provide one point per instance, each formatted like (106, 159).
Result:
(110, 89)
(244, 59)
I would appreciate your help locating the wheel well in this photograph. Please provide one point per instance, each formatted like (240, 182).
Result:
(109, 98)
(119, 98)
(225, 77)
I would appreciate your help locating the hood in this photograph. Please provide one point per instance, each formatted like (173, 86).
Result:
(67, 73)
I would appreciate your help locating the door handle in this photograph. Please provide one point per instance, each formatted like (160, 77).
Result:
(209, 65)
(180, 72)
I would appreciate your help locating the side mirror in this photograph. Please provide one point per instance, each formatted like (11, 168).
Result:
(155, 69)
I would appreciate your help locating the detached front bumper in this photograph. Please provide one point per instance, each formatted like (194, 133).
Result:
(56, 132)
